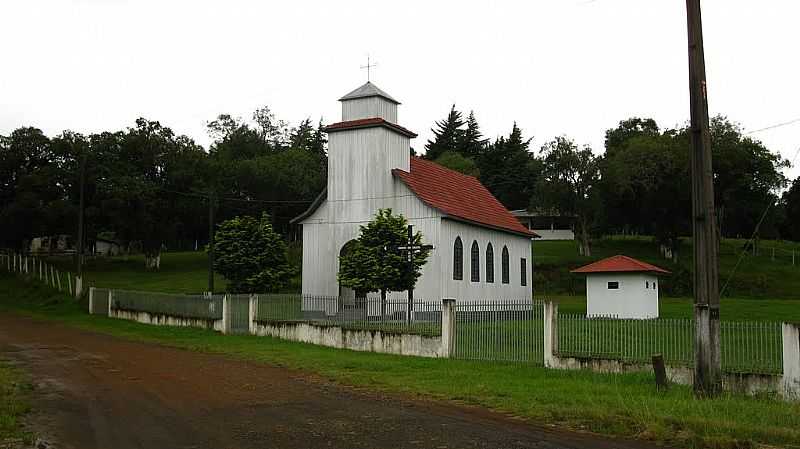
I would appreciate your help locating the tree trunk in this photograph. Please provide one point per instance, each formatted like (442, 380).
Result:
(586, 243)
(152, 261)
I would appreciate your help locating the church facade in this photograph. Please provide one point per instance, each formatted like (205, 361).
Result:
(481, 251)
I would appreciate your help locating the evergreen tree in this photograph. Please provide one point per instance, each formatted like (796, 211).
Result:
(447, 136)
(509, 170)
(473, 144)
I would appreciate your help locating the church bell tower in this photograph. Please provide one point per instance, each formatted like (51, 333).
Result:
(365, 146)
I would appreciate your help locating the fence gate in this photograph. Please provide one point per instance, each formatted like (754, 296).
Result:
(239, 314)
(507, 331)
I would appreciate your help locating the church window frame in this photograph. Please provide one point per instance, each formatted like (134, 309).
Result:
(475, 262)
(458, 260)
(506, 278)
(523, 272)
(489, 263)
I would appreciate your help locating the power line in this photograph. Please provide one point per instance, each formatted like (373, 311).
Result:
(777, 125)
(206, 195)
(752, 237)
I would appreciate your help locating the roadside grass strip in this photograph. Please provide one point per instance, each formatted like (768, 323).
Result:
(622, 405)
(13, 406)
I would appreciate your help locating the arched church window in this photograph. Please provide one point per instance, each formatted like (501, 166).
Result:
(458, 260)
(504, 263)
(489, 263)
(475, 262)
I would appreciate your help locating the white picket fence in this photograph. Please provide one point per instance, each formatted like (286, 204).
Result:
(38, 269)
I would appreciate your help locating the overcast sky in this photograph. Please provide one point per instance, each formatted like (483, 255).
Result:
(574, 67)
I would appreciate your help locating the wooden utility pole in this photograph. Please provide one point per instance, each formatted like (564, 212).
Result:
(707, 371)
(211, 204)
(81, 205)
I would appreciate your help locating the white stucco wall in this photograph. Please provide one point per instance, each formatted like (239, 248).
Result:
(335, 223)
(465, 290)
(369, 107)
(326, 231)
(360, 163)
(636, 297)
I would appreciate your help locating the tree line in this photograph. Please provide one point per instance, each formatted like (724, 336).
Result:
(150, 188)
(641, 184)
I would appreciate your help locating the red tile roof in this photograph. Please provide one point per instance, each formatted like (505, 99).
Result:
(369, 123)
(459, 196)
(617, 264)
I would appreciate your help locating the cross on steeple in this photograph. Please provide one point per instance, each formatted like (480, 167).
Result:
(368, 66)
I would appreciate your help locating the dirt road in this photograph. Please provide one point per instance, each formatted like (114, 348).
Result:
(96, 391)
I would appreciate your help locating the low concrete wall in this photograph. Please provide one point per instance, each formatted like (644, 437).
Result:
(166, 320)
(682, 375)
(356, 340)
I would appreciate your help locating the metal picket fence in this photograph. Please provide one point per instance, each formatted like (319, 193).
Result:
(509, 331)
(185, 306)
(352, 313)
(751, 347)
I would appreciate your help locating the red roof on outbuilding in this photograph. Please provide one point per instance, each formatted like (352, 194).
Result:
(459, 196)
(619, 263)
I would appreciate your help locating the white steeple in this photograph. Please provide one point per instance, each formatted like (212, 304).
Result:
(369, 101)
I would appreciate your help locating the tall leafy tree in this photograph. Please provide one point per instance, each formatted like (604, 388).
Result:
(375, 263)
(568, 185)
(251, 255)
(650, 172)
(455, 161)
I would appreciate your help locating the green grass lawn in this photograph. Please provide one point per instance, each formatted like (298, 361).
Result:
(626, 405)
(758, 276)
(13, 405)
(185, 272)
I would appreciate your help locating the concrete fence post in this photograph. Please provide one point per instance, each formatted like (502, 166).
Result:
(78, 286)
(791, 360)
(91, 300)
(69, 282)
(110, 301)
(550, 334)
(226, 314)
(251, 312)
(448, 327)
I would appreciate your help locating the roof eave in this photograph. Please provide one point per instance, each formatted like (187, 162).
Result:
(484, 225)
(385, 124)
(356, 97)
(312, 208)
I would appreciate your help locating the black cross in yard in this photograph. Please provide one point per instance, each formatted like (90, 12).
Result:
(410, 249)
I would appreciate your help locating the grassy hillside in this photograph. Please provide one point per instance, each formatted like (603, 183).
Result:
(758, 276)
(180, 273)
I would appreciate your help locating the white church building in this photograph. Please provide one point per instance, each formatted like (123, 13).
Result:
(481, 251)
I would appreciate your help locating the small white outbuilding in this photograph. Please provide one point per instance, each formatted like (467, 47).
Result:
(622, 287)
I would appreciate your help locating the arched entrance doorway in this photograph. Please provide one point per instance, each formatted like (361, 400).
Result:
(347, 296)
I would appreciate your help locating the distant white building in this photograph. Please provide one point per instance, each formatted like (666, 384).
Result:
(106, 247)
(622, 287)
(481, 251)
(547, 225)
